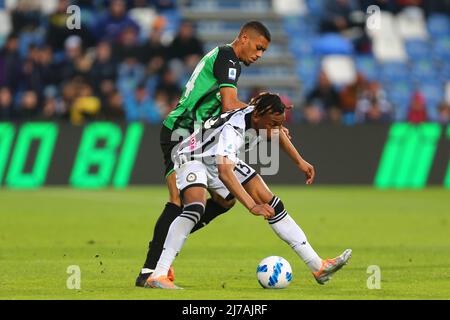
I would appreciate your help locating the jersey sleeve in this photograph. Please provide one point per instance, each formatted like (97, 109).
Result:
(226, 69)
(229, 143)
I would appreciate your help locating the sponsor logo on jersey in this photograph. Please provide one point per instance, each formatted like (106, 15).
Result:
(232, 72)
(191, 177)
(192, 143)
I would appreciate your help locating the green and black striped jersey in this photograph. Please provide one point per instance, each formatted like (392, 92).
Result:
(201, 98)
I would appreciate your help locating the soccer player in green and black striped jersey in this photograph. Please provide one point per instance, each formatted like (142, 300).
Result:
(211, 89)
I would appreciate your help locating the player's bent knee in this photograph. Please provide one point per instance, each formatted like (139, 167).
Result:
(193, 211)
(278, 207)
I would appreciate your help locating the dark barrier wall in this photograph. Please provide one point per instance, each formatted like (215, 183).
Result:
(104, 154)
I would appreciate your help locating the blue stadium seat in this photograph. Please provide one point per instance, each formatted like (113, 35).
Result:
(392, 72)
(368, 66)
(438, 25)
(332, 43)
(399, 94)
(434, 94)
(417, 49)
(301, 45)
(424, 71)
(441, 48)
(308, 68)
(315, 7)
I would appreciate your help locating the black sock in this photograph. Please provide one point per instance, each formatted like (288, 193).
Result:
(212, 210)
(170, 212)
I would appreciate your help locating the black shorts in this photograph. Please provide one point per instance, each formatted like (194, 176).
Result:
(167, 144)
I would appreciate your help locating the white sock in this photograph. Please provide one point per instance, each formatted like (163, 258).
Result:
(178, 232)
(289, 231)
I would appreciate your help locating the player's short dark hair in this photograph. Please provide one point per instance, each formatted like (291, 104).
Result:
(267, 102)
(258, 27)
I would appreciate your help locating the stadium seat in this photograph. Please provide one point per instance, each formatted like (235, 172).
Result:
(399, 93)
(308, 68)
(315, 7)
(5, 25)
(441, 48)
(389, 48)
(290, 7)
(386, 27)
(394, 72)
(438, 25)
(410, 24)
(447, 92)
(423, 70)
(367, 65)
(417, 49)
(340, 69)
(434, 94)
(301, 45)
(332, 43)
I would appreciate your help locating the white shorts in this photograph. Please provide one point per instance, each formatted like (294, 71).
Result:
(195, 173)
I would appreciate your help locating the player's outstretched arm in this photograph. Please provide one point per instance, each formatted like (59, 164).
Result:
(230, 99)
(226, 175)
(292, 152)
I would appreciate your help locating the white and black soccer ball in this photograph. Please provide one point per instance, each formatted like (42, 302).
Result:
(274, 272)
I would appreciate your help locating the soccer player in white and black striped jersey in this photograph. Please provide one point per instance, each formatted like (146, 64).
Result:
(208, 161)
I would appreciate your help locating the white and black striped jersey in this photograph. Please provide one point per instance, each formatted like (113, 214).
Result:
(225, 135)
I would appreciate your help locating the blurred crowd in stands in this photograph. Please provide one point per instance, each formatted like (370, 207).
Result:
(131, 58)
(387, 86)
(118, 65)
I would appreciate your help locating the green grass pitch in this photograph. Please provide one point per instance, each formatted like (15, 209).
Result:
(105, 233)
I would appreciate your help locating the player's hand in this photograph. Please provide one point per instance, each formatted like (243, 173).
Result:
(286, 132)
(263, 210)
(309, 171)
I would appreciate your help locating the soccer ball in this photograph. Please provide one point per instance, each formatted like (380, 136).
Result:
(274, 273)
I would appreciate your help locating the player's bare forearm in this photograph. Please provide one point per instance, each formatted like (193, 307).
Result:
(298, 160)
(289, 148)
(230, 99)
(229, 179)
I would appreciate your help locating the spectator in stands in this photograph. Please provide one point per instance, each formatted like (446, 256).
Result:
(54, 106)
(372, 105)
(103, 74)
(11, 60)
(417, 110)
(130, 74)
(128, 45)
(169, 88)
(337, 15)
(349, 98)
(50, 71)
(30, 76)
(186, 46)
(322, 103)
(113, 109)
(6, 103)
(153, 51)
(74, 53)
(86, 106)
(28, 106)
(444, 113)
(111, 24)
(141, 107)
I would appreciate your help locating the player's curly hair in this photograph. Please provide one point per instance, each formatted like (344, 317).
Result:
(267, 102)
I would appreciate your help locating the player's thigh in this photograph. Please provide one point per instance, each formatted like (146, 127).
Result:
(192, 181)
(196, 194)
(258, 190)
(174, 193)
